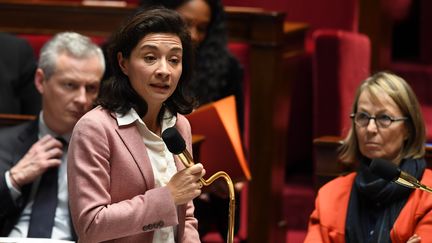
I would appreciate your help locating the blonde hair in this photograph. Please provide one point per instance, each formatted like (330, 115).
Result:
(402, 94)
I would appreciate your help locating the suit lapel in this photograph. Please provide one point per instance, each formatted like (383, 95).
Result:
(26, 138)
(133, 141)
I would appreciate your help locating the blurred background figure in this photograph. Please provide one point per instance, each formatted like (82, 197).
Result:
(33, 183)
(18, 94)
(361, 207)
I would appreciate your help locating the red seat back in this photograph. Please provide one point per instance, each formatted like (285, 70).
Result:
(38, 40)
(341, 61)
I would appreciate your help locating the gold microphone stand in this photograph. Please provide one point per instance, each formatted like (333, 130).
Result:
(415, 184)
(186, 159)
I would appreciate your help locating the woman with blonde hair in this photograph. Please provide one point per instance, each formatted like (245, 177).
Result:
(361, 207)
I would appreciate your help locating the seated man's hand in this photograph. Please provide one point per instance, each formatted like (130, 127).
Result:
(44, 154)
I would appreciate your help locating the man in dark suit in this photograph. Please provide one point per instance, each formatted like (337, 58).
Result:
(33, 183)
(18, 94)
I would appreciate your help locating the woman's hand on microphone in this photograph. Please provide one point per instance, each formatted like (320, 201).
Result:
(185, 184)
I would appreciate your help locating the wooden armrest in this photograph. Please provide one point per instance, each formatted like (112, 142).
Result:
(14, 119)
(328, 141)
(326, 160)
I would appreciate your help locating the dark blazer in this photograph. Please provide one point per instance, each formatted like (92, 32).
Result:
(14, 143)
(18, 94)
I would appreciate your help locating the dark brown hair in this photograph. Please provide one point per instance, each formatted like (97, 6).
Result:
(117, 94)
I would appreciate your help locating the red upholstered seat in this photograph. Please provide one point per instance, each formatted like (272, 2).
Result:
(419, 76)
(295, 236)
(38, 40)
(341, 61)
(298, 204)
(410, 50)
(320, 15)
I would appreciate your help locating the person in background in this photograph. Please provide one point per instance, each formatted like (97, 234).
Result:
(217, 74)
(33, 184)
(387, 123)
(124, 184)
(18, 94)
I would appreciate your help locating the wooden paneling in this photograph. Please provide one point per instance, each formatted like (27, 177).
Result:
(49, 17)
(274, 45)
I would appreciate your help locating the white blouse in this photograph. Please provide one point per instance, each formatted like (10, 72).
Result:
(162, 160)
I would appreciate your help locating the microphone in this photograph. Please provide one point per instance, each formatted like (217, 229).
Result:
(391, 172)
(176, 145)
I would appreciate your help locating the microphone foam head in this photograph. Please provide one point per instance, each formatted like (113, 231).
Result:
(173, 140)
(384, 169)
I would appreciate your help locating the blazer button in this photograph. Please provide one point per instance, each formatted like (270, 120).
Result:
(160, 224)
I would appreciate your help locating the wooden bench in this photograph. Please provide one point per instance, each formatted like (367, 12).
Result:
(14, 119)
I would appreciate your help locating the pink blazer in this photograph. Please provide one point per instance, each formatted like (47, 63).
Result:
(112, 194)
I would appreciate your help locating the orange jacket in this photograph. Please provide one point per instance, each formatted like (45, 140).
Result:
(327, 221)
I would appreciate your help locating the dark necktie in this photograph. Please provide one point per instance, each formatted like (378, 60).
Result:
(45, 203)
